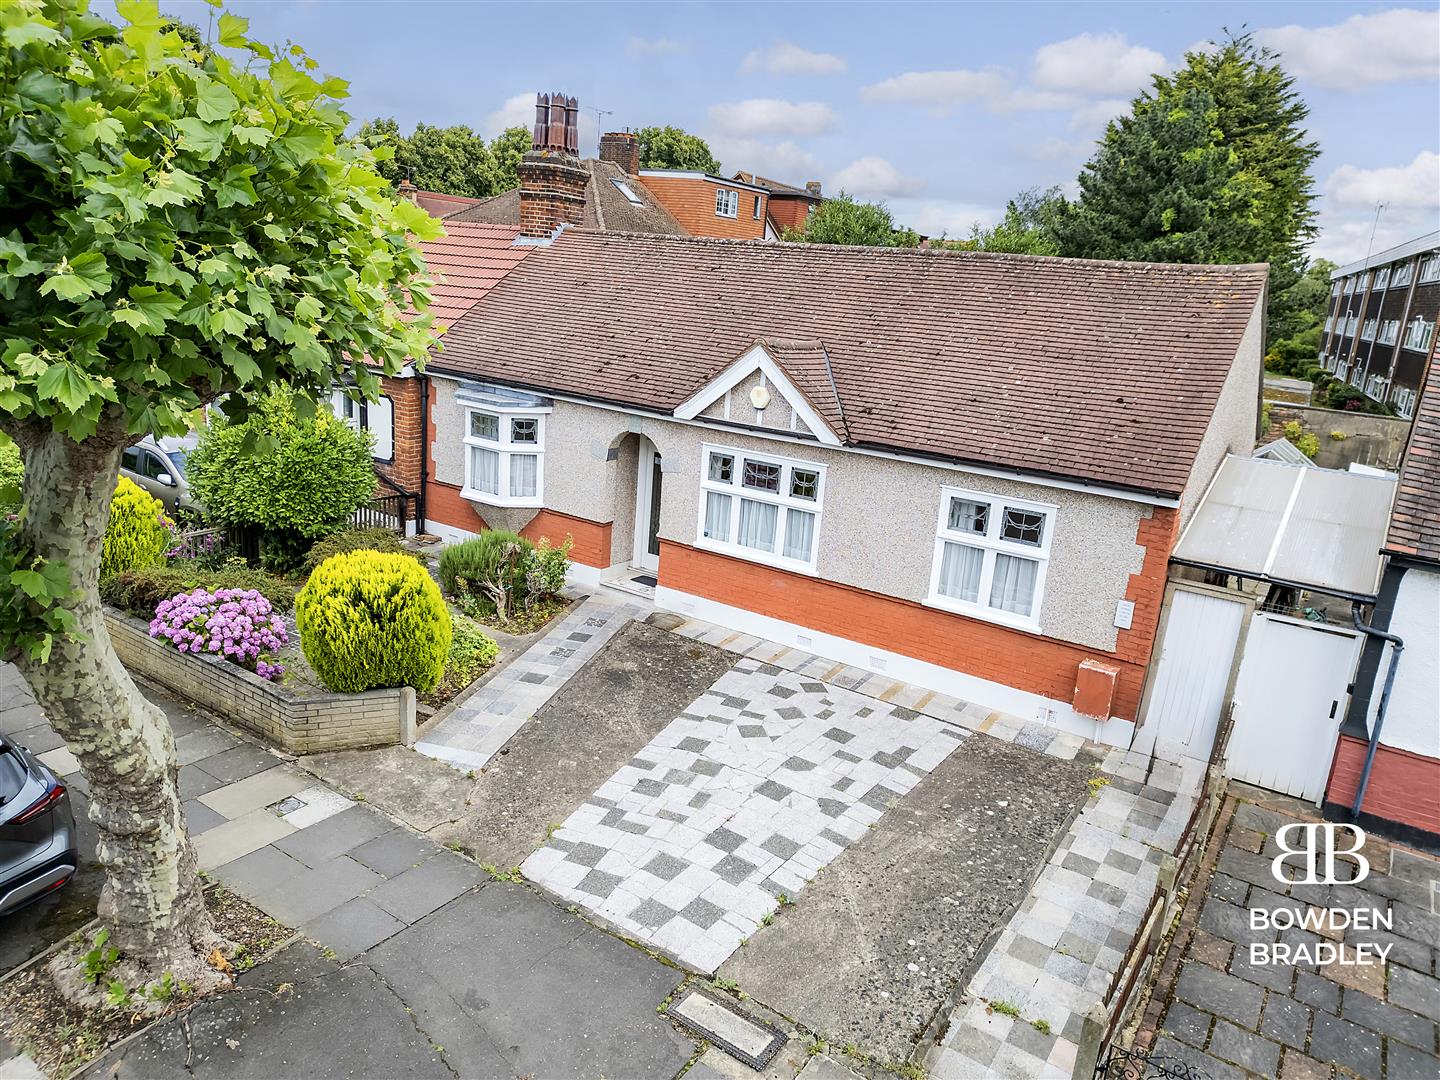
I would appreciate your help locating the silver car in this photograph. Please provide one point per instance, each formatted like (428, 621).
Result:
(37, 829)
(158, 466)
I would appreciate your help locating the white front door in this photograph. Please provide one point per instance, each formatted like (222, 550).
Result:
(647, 509)
(1192, 676)
(1290, 697)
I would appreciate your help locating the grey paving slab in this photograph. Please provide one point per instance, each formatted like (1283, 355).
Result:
(352, 927)
(318, 890)
(203, 743)
(261, 872)
(199, 818)
(417, 892)
(237, 763)
(394, 852)
(767, 770)
(335, 835)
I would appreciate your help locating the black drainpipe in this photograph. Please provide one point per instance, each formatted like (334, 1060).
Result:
(1383, 636)
(424, 439)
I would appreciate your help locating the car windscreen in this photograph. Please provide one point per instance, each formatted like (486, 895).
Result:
(12, 776)
(177, 458)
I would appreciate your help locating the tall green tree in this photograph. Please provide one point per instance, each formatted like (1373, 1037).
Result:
(455, 160)
(842, 220)
(672, 148)
(180, 223)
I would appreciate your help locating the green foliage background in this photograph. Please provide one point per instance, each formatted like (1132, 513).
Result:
(455, 160)
(842, 220)
(674, 148)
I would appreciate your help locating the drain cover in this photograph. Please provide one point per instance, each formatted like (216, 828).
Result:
(743, 1037)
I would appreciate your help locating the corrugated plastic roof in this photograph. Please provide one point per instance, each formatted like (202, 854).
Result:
(1318, 528)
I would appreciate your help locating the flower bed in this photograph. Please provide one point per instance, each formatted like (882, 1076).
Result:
(234, 624)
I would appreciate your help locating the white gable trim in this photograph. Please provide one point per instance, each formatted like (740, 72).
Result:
(758, 359)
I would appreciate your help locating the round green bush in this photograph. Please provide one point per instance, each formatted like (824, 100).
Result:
(369, 618)
(137, 535)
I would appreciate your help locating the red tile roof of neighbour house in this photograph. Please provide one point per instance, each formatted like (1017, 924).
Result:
(466, 263)
(1415, 518)
(1103, 372)
(441, 205)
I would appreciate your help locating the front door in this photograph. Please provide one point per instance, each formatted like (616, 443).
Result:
(647, 510)
(1290, 696)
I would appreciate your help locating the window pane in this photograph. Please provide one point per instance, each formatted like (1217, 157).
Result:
(1013, 587)
(960, 566)
(805, 484)
(757, 525)
(717, 516)
(799, 535)
(722, 468)
(484, 426)
(1023, 526)
(525, 431)
(485, 470)
(969, 517)
(524, 475)
(762, 476)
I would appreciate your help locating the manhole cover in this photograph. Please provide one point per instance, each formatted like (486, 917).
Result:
(287, 806)
(743, 1037)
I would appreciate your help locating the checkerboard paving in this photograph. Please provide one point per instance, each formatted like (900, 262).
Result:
(741, 799)
(484, 722)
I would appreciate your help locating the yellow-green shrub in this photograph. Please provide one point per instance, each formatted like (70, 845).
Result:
(368, 619)
(136, 536)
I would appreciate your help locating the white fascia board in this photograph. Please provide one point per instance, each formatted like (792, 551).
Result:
(758, 359)
(691, 174)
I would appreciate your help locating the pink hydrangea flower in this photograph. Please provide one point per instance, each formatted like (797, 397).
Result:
(238, 624)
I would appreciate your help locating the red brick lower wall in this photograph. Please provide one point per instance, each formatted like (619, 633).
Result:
(1404, 787)
(1027, 662)
(444, 504)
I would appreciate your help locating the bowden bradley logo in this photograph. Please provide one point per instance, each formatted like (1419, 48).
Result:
(1316, 856)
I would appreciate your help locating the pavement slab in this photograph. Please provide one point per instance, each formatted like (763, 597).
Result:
(878, 943)
(763, 779)
(511, 985)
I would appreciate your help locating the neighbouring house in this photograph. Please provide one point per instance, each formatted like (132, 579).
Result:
(436, 203)
(789, 207)
(965, 470)
(708, 205)
(1402, 777)
(1380, 326)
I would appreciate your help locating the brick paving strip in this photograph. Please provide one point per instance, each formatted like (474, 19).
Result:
(1229, 1018)
(484, 722)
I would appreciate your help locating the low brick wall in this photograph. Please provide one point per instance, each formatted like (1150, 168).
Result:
(294, 723)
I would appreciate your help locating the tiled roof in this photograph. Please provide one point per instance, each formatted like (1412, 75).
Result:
(776, 187)
(466, 263)
(1098, 371)
(1415, 519)
(605, 207)
(807, 364)
(442, 205)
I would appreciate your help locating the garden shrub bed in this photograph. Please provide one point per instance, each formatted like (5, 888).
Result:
(62, 1037)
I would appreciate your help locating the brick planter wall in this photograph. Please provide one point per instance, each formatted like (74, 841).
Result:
(294, 723)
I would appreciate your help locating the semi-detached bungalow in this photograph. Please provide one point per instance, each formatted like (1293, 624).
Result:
(966, 470)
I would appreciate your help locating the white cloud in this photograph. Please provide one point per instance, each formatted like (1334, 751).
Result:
(1365, 50)
(873, 178)
(1095, 64)
(1345, 232)
(784, 161)
(783, 58)
(944, 217)
(519, 111)
(1055, 148)
(639, 46)
(1415, 186)
(939, 91)
(769, 116)
(1094, 115)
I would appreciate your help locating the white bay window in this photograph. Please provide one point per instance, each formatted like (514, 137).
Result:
(504, 456)
(761, 507)
(990, 557)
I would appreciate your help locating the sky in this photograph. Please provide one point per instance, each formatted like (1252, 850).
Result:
(942, 111)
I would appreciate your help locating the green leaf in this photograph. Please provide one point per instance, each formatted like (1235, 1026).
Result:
(307, 309)
(203, 140)
(214, 101)
(65, 384)
(85, 275)
(232, 31)
(17, 37)
(40, 87)
(30, 583)
(230, 321)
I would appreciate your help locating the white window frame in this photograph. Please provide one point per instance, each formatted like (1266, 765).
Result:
(1367, 331)
(1375, 386)
(377, 417)
(1349, 285)
(1382, 279)
(782, 499)
(1402, 275)
(1403, 398)
(507, 448)
(629, 193)
(1351, 325)
(1430, 269)
(1389, 332)
(992, 545)
(727, 203)
(1335, 289)
(1419, 334)
(758, 203)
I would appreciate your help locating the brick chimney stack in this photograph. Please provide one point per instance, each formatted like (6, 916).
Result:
(552, 180)
(621, 148)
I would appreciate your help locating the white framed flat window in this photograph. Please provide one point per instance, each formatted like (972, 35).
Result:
(1418, 334)
(1382, 278)
(1349, 285)
(1367, 331)
(1389, 331)
(376, 417)
(761, 507)
(1403, 398)
(505, 456)
(727, 202)
(1403, 274)
(1430, 269)
(991, 555)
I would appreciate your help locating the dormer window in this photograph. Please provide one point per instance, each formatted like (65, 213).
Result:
(727, 203)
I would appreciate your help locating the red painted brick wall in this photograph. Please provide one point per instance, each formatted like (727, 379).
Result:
(1027, 662)
(409, 433)
(592, 538)
(1403, 787)
(692, 202)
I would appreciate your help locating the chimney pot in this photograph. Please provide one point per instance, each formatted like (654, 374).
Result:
(552, 180)
(812, 186)
(621, 148)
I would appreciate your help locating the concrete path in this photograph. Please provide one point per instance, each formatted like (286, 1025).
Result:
(484, 722)
(1365, 1017)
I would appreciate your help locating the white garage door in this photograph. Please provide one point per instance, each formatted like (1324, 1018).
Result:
(1188, 694)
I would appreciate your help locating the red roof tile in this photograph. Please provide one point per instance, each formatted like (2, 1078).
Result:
(1099, 371)
(466, 263)
(1415, 517)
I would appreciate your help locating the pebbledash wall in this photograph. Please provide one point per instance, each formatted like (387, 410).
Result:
(864, 605)
(296, 724)
(1405, 781)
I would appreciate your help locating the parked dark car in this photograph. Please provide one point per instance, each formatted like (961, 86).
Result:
(38, 851)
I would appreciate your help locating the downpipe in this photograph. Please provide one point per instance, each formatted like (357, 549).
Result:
(1399, 645)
